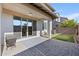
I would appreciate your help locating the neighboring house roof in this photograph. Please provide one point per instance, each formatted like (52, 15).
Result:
(64, 17)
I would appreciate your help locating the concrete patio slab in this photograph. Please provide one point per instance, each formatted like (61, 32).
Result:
(24, 45)
(52, 48)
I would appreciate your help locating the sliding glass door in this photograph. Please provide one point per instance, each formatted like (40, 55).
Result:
(34, 28)
(24, 26)
(29, 27)
(17, 26)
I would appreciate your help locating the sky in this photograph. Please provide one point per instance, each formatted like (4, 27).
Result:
(69, 10)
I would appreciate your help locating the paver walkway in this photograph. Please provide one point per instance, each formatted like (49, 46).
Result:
(52, 48)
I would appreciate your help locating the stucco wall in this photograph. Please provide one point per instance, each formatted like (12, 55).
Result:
(0, 26)
(0, 23)
(6, 25)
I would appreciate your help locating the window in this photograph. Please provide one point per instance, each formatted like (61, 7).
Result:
(17, 24)
(16, 17)
(29, 23)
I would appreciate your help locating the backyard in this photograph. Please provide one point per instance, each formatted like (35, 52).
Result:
(66, 31)
(63, 37)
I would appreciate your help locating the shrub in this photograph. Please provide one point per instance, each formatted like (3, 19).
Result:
(68, 23)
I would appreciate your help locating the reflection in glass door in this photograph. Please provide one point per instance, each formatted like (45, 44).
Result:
(34, 28)
(24, 27)
(29, 27)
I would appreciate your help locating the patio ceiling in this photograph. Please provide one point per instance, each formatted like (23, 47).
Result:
(46, 8)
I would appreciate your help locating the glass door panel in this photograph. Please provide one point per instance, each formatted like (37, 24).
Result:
(24, 27)
(17, 26)
(34, 27)
(29, 27)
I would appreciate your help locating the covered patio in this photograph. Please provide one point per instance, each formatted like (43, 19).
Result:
(24, 21)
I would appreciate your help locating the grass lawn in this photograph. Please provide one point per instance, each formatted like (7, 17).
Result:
(68, 38)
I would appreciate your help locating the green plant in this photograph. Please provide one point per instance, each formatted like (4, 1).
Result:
(70, 23)
(63, 37)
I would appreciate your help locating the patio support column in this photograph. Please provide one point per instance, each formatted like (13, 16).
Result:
(49, 28)
(39, 27)
(0, 25)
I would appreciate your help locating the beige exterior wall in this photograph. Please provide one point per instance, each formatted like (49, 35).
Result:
(6, 25)
(0, 26)
(0, 21)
